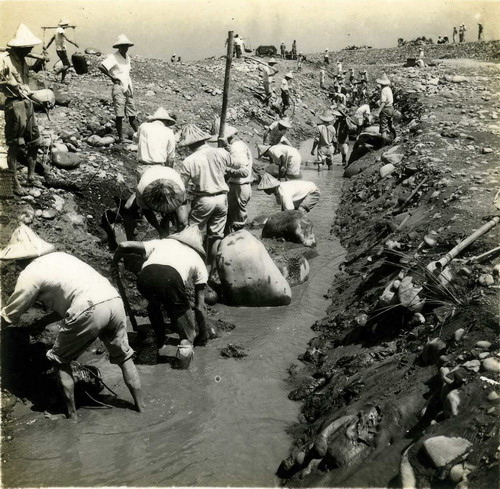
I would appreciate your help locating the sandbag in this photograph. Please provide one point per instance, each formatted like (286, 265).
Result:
(248, 275)
(65, 160)
(44, 98)
(79, 63)
(92, 51)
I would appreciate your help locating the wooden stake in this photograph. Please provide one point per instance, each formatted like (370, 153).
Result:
(227, 77)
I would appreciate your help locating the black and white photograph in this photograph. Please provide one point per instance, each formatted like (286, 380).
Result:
(250, 243)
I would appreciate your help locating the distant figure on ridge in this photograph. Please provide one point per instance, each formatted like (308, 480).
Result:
(59, 37)
(294, 50)
(455, 34)
(173, 58)
(480, 30)
(326, 57)
(283, 50)
(116, 67)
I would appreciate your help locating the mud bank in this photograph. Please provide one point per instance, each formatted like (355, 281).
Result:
(405, 365)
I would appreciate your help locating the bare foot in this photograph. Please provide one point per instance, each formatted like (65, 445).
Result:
(18, 190)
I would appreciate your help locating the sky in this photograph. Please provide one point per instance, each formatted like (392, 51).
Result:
(196, 29)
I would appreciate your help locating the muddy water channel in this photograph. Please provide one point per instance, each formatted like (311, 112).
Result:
(222, 422)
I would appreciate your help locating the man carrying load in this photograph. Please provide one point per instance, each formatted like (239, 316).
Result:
(60, 39)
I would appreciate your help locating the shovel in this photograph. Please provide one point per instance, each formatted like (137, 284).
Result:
(123, 295)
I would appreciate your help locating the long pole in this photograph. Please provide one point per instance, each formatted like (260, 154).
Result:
(225, 95)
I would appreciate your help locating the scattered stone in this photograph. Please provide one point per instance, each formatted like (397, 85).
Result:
(452, 402)
(473, 365)
(493, 396)
(233, 351)
(486, 151)
(49, 214)
(387, 170)
(458, 334)
(442, 449)
(491, 364)
(484, 345)
(486, 279)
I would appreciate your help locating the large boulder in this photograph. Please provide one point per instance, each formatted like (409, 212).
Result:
(292, 226)
(247, 273)
(66, 160)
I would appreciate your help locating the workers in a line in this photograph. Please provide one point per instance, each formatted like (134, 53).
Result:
(89, 305)
(169, 265)
(116, 67)
(294, 194)
(60, 41)
(21, 128)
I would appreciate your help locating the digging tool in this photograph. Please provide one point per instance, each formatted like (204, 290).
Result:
(123, 295)
(225, 94)
(484, 256)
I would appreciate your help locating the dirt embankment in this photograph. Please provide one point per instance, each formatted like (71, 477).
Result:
(400, 387)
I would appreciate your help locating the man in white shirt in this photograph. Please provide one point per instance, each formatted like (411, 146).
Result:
(275, 132)
(116, 67)
(362, 117)
(325, 140)
(267, 78)
(170, 264)
(160, 189)
(386, 107)
(156, 141)
(295, 194)
(287, 159)
(60, 40)
(240, 189)
(89, 304)
(206, 168)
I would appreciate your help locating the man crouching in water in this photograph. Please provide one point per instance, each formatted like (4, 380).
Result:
(89, 304)
(170, 264)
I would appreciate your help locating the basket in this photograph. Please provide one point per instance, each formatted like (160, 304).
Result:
(6, 184)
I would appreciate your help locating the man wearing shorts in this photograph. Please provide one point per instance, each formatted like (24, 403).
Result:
(60, 39)
(89, 304)
(275, 132)
(21, 129)
(325, 140)
(295, 194)
(170, 264)
(286, 158)
(116, 67)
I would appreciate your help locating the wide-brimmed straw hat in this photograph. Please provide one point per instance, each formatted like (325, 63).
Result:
(122, 40)
(289, 75)
(262, 149)
(192, 134)
(285, 122)
(161, 115)
(23, 38)
(64, 22)
(327, 117)
(192, 237)
(162, 195)
(272, 61)
(268, 182)
(24, 244)
(383, 80)
(229, 131)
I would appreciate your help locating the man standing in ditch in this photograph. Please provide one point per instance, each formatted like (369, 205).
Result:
(90, 306)
(386, 107)
(117, 67)
(21, 129)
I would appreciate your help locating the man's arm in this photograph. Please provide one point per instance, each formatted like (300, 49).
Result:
(70, 41)
(23, 297)
(266, 132)
(200, 312)
(126, 248)
(50, 42)
(105, 70)
(281, 167)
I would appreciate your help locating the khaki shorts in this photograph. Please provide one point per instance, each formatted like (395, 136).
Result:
(106, 321)
(20, 124)
(309, 201)
(123, 102)
(210, 212)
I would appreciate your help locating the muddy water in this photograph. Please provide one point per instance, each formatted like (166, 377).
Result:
(221, 423)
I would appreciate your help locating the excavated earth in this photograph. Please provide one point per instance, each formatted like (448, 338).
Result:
(402, 356)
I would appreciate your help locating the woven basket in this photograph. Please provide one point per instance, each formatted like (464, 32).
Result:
(6, 184)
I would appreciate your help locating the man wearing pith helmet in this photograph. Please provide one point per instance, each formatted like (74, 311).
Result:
(117, 67)
(21, 129)
(90, 306)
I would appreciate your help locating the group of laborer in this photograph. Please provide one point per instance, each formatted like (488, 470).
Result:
(220, 180)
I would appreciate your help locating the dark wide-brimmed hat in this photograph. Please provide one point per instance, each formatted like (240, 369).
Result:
(24, 244)
(192, 237)
(162, 115)
(268, 182)
(285, 122)
(162, 195)
(327, 116)
(192, 134)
